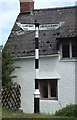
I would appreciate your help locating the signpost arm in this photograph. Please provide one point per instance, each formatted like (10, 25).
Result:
(36, 93)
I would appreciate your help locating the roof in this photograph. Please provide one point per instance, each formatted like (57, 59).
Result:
(22, 45)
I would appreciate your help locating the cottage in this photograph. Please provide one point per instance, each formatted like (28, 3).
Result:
(57, 79)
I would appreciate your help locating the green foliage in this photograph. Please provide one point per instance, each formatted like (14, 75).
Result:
(19, 114)
(0, 67)
(7, 66)
(69, 110)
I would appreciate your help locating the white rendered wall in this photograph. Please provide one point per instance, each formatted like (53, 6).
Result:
(66, 84)
(25, 77)
(48, 66)
(76, 82)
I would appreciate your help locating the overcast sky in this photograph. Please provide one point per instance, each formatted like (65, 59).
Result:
(9, 9)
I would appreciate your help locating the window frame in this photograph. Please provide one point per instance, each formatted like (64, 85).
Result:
(70, 50)
(49, 91)
(75, 49)
(64, 50)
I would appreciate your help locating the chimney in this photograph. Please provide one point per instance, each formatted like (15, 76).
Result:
(26, 5)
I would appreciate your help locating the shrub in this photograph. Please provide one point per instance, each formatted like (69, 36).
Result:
(69, 110)
(7, 66)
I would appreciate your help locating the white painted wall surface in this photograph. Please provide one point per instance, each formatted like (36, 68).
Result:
(76, 82)
(66, 83)
(51, 67)
(25, 77)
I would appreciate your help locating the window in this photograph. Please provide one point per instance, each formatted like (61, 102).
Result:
(65, 49)
(74, 49)
(48, 89)
(69, 49)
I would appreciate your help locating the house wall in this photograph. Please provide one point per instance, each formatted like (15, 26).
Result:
(25, 77)
(66, 83)
(48, 66)
(76, 82)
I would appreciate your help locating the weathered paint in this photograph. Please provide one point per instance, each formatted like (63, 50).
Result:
(65, 72)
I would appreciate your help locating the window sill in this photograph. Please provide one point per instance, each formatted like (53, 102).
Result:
(53, 98)
(68, 59)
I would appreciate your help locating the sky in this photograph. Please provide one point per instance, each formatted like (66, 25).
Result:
(9, 10)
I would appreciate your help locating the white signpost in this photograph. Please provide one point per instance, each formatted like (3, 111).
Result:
(30, 27)
(36, 27)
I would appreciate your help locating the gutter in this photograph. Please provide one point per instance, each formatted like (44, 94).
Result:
(41, 56)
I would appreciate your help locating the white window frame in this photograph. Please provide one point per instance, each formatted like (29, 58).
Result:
(49, 92)
(70, 51)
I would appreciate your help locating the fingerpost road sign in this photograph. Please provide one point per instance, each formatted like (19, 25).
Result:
(36, 27)
(28, 27)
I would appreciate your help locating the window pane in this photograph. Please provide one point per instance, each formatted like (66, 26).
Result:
(53, 85)
(44, 88)
(48, 89)
(74, 49)
(65, 49)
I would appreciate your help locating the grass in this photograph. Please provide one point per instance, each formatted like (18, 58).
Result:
(17, 114)
(0, 112)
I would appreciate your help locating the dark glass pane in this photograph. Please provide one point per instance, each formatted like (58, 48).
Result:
(65, 49)
(53, 84)
(44, 88)
(74, 49)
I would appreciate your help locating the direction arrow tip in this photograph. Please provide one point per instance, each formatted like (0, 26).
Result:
(61, 23)
(18, 23)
